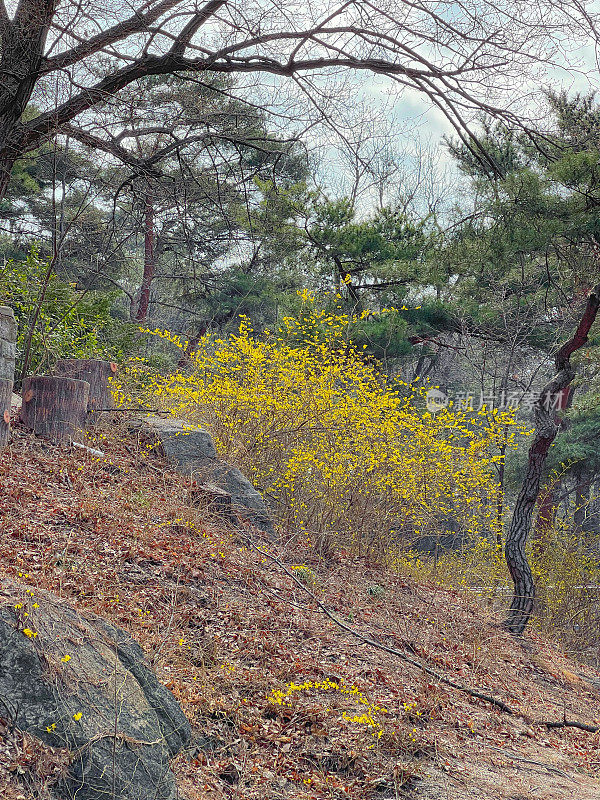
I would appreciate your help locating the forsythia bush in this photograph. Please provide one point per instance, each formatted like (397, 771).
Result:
(337, 448)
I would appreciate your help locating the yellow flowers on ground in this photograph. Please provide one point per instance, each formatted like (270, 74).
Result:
(368, 717)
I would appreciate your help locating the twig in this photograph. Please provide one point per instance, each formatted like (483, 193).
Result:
(547, 767)
(133, 408)
(583, 726)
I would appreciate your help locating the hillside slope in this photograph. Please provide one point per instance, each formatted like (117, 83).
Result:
(283, 701)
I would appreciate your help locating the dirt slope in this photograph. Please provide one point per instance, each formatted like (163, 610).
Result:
(225, 627)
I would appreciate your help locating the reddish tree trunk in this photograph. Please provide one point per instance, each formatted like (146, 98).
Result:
(551, 397)
(190, 347)
(149, 258)
(55, 407)
(548, 502)
(546, 512)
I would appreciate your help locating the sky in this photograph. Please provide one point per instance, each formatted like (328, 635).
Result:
(411, 124)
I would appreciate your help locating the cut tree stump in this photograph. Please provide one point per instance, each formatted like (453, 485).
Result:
(6, 387)
(55, 407)
(97, 374)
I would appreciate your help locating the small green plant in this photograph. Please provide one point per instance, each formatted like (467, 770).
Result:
(376, 591)
(140, 499)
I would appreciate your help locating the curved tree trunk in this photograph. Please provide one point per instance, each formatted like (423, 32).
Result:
(551, 398)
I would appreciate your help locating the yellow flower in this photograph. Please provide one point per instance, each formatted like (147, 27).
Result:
(77, 716)
(28, 632)
(344, 450)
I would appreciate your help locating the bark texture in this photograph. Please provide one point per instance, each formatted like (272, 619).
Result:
(55, 407)
(8, 335)
(6, 387)
(546, 428)
(149, 258)
(97, 373)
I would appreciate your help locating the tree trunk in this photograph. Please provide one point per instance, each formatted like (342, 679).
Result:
(191, 345)
(6, 387)
(551, 397)
(547, 506)
(6, 165)
(97, 373)
(55, 407)
(23, 43)
(149, 258)
(548, 503)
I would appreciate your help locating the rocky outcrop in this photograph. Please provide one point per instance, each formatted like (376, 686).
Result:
(193, 452)
(77, 682)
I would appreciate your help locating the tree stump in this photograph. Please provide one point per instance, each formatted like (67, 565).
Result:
(96, 373)
(5, 401)
(55, 407)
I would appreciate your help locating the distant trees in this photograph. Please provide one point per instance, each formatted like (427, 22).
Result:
(368, 255)
(183, 176)
(70, 58)
(163, 197)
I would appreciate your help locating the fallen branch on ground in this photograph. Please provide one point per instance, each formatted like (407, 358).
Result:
(500, 704)
(373, 643)
(583, 726)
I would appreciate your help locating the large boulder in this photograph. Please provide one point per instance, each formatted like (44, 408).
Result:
(78, 682)
(246, 503)
(192, 452)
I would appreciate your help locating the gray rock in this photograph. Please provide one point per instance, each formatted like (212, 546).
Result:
(180, 442)
(8, 325)
(246, 502)
(82, 684)
(193, 453)
(8, 337)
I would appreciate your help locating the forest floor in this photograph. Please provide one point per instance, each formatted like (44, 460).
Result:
(224, 626)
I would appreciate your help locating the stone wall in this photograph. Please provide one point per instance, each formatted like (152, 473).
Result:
(8, 338)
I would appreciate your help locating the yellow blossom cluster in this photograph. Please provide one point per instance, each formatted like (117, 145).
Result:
(368, 716)
(341, 451)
